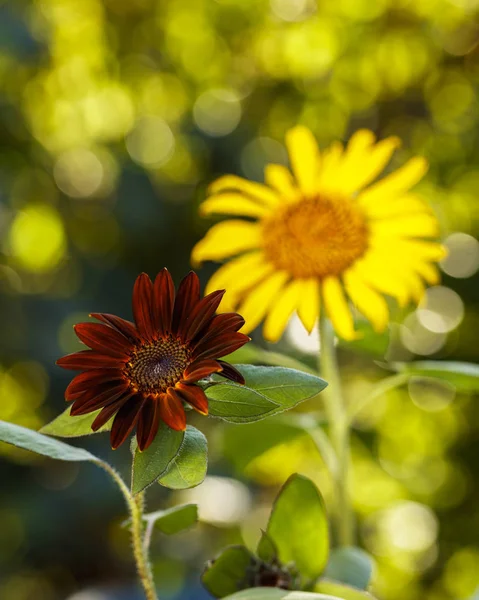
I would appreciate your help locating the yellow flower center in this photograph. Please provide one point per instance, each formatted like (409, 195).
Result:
(316, 237)
(156, 366)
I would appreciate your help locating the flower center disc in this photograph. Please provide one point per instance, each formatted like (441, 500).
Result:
(316, 237)
(158, 365)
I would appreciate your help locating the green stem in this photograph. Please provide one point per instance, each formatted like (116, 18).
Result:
(136, 506)
(339, 433)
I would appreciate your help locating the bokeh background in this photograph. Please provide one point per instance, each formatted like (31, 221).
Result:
(114, 116)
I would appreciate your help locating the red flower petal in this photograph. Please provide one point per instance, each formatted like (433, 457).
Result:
(91, 402)
(195, 396)
(231, 373)
(220, 345)
(88, 359)
(187, 297)
(172, 411)
(82, 382)
(125, 420)
(148, 423)
(201, 315)
(103, 339)
(124, 327)
(164, 299)
(143, 306)
(199, 369)
(108, 411)
(219, 324)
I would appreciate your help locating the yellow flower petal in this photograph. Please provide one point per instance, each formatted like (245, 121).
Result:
(337, 308)
(378, 274)
(279, 177)
(367, 163)
(403, 205)
(428, 272)
(417, 249)
(309, 303)
(238, 275)
(229, 183)
(304, 157)
(330, 169)
(260, 298)
(415, 225)
(233, 204)
(226, 239)
(371, 304)
(281, 311)
(396, 183)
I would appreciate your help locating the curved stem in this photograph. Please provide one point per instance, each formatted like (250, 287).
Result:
(135, 506)
(339, 433)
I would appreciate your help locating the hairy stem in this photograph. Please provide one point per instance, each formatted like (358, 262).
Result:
(339, 433)
(140, 551)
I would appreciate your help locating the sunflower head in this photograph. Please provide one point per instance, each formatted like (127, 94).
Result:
(145, 372)
(322, 236)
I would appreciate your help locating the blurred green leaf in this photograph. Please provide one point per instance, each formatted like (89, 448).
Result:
(276, 594)
(351, 566)
(339, 590)
(266, 549)
(67, 426)
(173, 520)
(188, 468)
(150, 465)
(42, 444)
(241, 445)
(371, 343)
(298, 526)
(226, 572)
(252, 354)
(464, 376)
(268, 391)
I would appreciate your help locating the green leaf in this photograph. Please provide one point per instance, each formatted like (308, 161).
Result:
(42, 444)
(251, 354)
(188, 468)
(173, 520)
(267, 593)
(153, 463)
(241, 445)
(464, 376)
(266, 549)
(339, 590)
(298, 526)
(268, 391)
(227, 573)
(351, 566)
(67, 426)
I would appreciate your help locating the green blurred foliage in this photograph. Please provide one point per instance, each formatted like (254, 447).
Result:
(114, 115)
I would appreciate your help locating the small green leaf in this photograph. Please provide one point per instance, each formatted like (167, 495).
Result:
(282, 388)
(173, 520)
(241, 445)
(67, 426)
(150, 465)
(351, 566)
(188, 468)
(369, 341)
(227, 573)
(42, 444)
(298, 526)
(464, 376)
(251, 354)
(266, 549)
(267, 593)
(339, 590)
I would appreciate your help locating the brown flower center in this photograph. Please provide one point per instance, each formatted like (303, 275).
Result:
(316, 237)
(158, 365)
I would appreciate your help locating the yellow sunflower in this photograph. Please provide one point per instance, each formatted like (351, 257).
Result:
(322, 235)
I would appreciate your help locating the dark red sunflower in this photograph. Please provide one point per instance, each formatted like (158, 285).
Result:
(145, 373)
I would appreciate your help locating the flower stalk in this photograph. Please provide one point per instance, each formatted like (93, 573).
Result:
(339, 425)
(136, 506)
